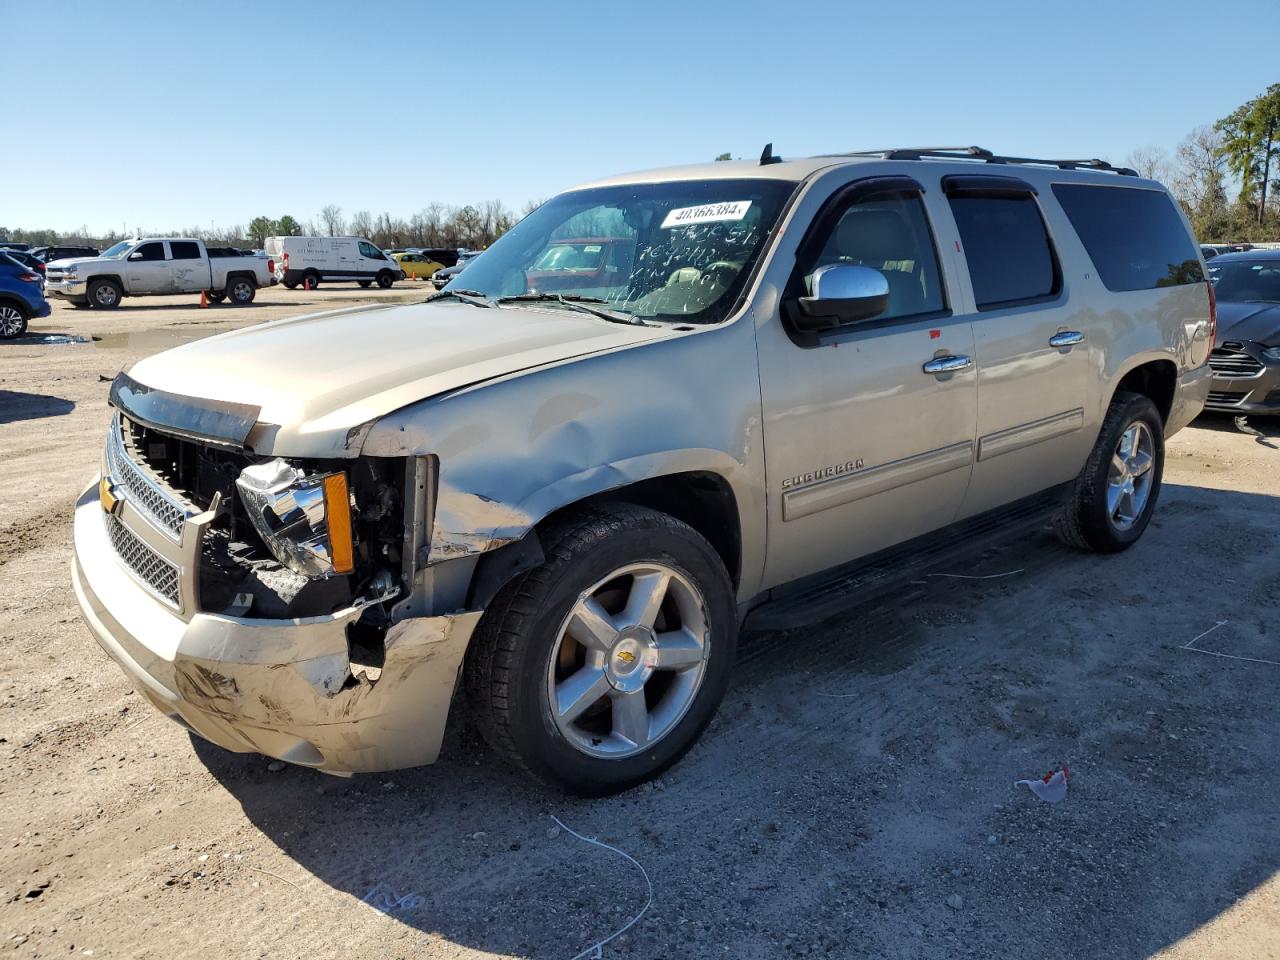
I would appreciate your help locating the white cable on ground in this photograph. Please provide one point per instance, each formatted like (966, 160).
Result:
(965, 576)
(1225, 656)
(596, 950)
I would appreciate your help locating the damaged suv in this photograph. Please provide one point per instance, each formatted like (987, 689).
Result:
(787, 381)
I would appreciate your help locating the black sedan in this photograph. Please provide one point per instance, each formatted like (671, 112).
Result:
(1246, 355)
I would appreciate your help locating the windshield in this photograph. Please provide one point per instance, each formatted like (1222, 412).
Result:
(117, 251)
(681, 250)
(1247, 280)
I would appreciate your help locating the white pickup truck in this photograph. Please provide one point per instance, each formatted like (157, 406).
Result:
(158, 265)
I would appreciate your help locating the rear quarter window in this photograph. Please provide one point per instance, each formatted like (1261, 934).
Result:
(1135, 237)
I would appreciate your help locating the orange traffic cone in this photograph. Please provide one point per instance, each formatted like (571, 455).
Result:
(204, 298)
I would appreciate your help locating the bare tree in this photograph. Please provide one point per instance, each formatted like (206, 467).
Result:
(1150, 161)
(331, 217)
(361, 223)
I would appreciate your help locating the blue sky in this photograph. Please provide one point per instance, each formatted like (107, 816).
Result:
(167, 115)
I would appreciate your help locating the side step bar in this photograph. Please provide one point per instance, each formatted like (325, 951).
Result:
(814, 599)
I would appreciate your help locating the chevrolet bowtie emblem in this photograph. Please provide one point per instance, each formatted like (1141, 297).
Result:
(626, 656)
(107, 495)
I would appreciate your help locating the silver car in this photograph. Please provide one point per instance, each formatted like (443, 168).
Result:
(743, 396)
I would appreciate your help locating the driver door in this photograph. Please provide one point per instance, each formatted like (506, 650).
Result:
(148, 270)
(864, 447)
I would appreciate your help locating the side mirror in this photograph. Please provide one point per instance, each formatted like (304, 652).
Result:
(842, 293)
(136, 255)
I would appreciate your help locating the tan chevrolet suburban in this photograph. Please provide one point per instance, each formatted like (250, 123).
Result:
(787, 382)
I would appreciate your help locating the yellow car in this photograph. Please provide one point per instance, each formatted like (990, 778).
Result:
(416, 266)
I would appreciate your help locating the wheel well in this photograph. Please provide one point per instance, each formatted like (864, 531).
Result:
(703, 500)
(1157, 380)
(104, 276)
(242, 275)
(18, 302)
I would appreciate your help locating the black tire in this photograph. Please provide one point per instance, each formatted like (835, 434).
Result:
(13, 319)
(291, 286)
(1085, 521)
(365, 283)
(105, 294)
(216, 296)
(385, 279)
(311, 280)
(80, 303)
(507, 667)
(241, 291)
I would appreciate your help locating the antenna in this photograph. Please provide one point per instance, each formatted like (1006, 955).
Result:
(767, 157)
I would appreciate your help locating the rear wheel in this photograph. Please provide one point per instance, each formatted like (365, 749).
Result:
(80, 303)
(365, 283)
(599, 669)
(1111, 502)
(311, 280)
(291, 286)
(242, 290)
(105, 294)
(216, 296)
(385, 279)
(13, 321)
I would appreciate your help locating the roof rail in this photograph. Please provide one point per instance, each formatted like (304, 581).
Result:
(985, 156)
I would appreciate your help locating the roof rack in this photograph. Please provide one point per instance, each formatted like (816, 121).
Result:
(984, 156)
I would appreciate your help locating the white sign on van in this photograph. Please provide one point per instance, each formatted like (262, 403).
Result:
(706, 213)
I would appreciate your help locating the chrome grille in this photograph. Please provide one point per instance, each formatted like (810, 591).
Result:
(1234, 363)
(144, 493)
(154, 571)
(1226, 398)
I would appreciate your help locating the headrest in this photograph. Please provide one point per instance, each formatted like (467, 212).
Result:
(875, 235)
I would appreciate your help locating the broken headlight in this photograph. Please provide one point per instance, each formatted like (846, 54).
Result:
(304, 519)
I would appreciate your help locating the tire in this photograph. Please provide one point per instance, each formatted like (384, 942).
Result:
(80, 303)
(105, 294)
(241, 291)
(522, 651)
(1110, 504)
(216, 296)
(365, 283)
(291, 286)
(311, 280)
(385, 280)
(13, 320)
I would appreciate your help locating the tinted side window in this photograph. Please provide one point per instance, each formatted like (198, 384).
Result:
(1007, 248)
(890, 234)
(1135, 237)
(184, 250)
(149, 251)
(369, 250)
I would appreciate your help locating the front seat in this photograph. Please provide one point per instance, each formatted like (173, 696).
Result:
(873, 237)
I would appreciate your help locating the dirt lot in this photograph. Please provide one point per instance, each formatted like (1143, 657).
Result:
(854, 797)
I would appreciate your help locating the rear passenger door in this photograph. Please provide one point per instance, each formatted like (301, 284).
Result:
(1031, 342)
(147, 270)
(190, 269)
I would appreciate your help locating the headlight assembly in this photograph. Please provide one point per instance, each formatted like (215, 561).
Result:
(1272, 354)
(304, 519)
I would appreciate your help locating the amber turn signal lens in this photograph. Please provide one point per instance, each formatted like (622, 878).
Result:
(337, 511)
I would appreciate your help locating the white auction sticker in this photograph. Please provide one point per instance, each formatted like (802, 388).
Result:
(706, 213)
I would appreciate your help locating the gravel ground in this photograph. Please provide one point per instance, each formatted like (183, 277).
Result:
(854, 798)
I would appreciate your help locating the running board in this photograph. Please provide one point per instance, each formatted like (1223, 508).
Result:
(805, 602)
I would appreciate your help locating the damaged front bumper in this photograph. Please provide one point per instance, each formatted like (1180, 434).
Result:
(284, 688)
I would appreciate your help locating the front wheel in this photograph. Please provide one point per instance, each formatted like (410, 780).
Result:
(385, 280)
(290, 286)
(105, 294)
(13, 321)
(216, 296)
(365, 283)
(1110, 504)
(597, 670)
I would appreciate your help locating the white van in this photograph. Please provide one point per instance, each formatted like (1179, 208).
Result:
(308, 260)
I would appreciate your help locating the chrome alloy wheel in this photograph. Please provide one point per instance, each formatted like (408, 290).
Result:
(10, 321)
(241, 291)
(1129, 476)
(628, 660)
(106, 295)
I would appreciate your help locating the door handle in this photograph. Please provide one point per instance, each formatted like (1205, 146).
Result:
(1067, 338)
(947, 364)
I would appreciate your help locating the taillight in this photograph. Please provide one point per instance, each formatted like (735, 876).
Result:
(285, 260)
(1213, 314)
(29, 277)
(271, 265)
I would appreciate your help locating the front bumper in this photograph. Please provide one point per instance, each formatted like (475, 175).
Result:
(1245, 381)
(283, 688)
(65, 288)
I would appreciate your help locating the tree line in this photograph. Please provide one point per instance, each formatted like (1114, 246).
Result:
(1237, 154)
(472, 226)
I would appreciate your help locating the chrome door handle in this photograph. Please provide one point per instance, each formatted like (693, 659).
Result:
(947, 364)
(1067, 338)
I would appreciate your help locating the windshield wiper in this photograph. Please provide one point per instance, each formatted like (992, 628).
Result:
(473, 297)
(576, 302)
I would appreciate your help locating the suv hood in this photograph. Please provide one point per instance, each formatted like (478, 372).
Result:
(1250, 320)
(318, 378)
